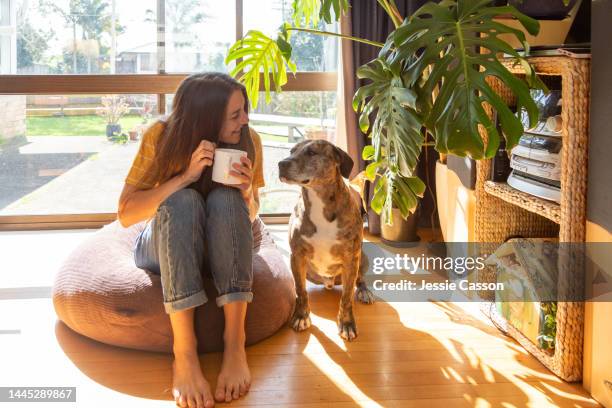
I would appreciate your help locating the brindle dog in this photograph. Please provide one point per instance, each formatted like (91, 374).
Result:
(325, 230)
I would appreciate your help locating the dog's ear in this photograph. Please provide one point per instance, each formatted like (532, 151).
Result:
(345, 161)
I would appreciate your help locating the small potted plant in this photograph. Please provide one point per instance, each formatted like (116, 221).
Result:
(318, 133)
(113, 108)
(134, 134)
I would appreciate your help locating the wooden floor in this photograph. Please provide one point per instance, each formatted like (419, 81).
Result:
(406, 355)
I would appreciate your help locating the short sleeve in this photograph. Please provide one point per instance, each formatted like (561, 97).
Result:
(258, 176)
(144, 158)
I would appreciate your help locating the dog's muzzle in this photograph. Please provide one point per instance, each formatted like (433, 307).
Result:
(283, 167)
(283, 170)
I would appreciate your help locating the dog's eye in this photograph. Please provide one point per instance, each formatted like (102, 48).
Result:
(310, 152)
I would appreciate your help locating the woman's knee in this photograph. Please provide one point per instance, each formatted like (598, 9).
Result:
(184, 202)
(225, 201)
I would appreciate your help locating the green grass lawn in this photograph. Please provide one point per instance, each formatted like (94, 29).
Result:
(272, 138)
(86, 125)
(91, 125)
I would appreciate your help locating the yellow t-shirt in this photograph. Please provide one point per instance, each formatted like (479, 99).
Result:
(146, 154)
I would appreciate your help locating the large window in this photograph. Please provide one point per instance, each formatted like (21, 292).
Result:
(63, 62)
(69, 160)
(86, 36)
(311, 52)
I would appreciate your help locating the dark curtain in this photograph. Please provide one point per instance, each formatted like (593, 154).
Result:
(369, 20)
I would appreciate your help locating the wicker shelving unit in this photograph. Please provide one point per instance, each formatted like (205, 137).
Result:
(545, 208)
(503, 212)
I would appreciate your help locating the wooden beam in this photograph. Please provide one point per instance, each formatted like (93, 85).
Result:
(87, 221)
(137, 83)
(89, 84)
(55, 221)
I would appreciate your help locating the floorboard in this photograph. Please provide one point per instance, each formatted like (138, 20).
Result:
(407, 354)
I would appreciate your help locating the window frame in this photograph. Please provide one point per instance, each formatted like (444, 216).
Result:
(160, 84)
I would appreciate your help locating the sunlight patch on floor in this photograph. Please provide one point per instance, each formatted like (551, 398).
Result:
(328, 326)
(334, 372)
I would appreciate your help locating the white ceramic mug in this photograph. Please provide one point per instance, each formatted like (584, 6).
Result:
(222, 165)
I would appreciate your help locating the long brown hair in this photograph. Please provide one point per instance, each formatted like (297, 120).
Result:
(198, 112)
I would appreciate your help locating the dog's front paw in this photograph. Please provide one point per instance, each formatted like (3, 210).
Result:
(347, 329)
(364, 295)
(300, 321)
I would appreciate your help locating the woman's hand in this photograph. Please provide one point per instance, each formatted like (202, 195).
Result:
(243, 171)
(202, 156)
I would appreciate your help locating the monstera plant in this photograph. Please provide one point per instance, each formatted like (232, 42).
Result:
(429, 82)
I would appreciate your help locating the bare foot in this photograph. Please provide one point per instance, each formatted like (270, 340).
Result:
(235, 378)
(189, 387)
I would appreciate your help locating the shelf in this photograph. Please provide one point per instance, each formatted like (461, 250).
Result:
(497, 223)
(540, 206)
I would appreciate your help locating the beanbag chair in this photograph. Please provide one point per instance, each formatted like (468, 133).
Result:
(100, 293)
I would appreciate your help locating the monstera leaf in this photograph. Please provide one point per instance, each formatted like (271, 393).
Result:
(393, 190)
(256, 53)
(396, 131)
(396, 137)
(454, 46)
(314, 10)
(306, 12)
(431, 74)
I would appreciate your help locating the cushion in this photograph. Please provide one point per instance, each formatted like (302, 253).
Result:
(100, 293)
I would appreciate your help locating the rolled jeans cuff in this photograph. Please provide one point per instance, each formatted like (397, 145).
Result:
(234, 297)
(197, 299)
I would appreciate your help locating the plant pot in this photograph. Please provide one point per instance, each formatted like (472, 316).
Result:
(403, 232)
(319, 134)
(112, 129)
(543, 9)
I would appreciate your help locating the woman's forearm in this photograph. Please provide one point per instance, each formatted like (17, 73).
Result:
(141, 205)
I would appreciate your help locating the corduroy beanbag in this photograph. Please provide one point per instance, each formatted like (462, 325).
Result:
(100, 293)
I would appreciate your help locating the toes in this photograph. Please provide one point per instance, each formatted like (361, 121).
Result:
(228, 394)
(192, 402)
(365, 296)
(348, 330)
(300, 323)
(182, 401)
(220, 390)
(243, 389)
(236, 391)
(208, 401)
(199, 401)
(176, 395)
(220, 393)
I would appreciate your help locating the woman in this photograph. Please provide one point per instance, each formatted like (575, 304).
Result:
(185, 223)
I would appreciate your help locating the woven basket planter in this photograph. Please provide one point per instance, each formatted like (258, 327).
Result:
(503, 212)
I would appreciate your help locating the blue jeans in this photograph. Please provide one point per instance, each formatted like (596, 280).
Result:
(188, 231)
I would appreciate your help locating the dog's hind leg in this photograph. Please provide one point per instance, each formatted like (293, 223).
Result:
(363, 294)
(301, 314)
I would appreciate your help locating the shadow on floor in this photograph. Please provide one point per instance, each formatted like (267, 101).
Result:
(390, 363)
(21, 174)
